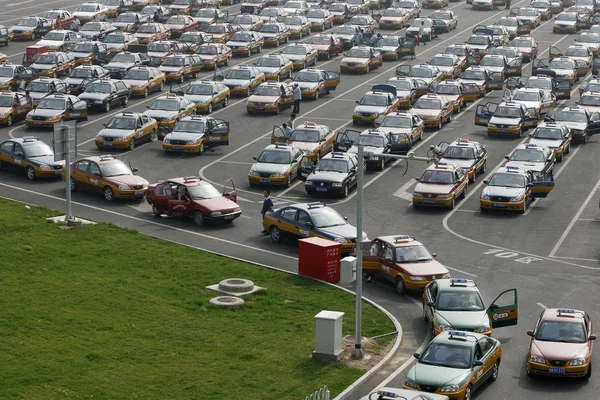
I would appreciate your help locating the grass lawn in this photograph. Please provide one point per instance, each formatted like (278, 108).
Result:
(102, 312)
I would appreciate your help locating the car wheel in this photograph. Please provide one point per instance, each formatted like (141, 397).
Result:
(472, 180)
(467, 393)
(72, 185)
(495, 370)
(199, 218)
(125, 101)
(440, 124)
(568, 149)
(449, 118)
(54, 75)
(131, 144)
(275, 234)
(458, 109)
(210, 108)
(400, 286)
(225, 102)
(483, 168)
(368, 68)
(288, 183)
(249, 52)
(425, 318)
(277, 43)
(182, 79)
(453, 203)
(9, 120)
(30, 173)
(201, 148)
(107, 106)
(109, 195)
(155, 211)
(259, 49)
(153, 137)
(465, 192)
(589, 373)
(145, 92)
(317, 94)
(33, 36)
(345, 193)
(382, 164)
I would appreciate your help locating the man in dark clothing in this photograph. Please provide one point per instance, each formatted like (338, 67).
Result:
(508, 4)
(267, 206)
(156, 18)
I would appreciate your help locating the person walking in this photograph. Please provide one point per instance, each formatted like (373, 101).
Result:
(155, 18)
(267, 206)
(297, 98)
(422, 32)
(287, 131)
(58, 23)
(508, 4)
(359, 37)
(28, 97)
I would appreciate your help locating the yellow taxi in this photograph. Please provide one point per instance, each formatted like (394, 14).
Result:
(440, 186)
(57, 108)
(277, 165)
(11, 76)
(471, 156)
(274, 33)
(107, 175)
(144, 80)
(31, 156)
(434, 110)
(118, 42)
(207, 95)
(302, 55)
(313, 82)
(453, 91)
(299, 26)
(13, 107)
(320, 19)
(6, 35)
(270, 97)
(404, 261)
(376, 103)
(168, 109)
(178, 66)
(276, 67)
(243, 43)
(313, 139)
(53, 63)
(242, 79)
(214, 54)
(221, 32)
(126, 130)
(421, 72)
(361, 59)
(195, 134)
(152, 32)
(450, 65)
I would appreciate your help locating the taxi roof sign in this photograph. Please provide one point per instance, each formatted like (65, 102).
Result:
(392, 395)
(106, 157)
(401, 238)
(566, 311)
(512, 167)
(315, 205)
(29, 138)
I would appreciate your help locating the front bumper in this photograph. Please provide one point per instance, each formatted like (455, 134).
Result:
(431, 123)
(364, 119)
(242, 51)
(182, 148)
(569, 371)
(41, 124)
(271, 181)
(174, 76)
(239, 91)
(265, 108)
(460, 395)
(47, 173)
(105, 144)
(483, 6)
(562, 28)
(433, 201)
(496, 205)
(316, 189)
(353, 68)
(511, 131)
(130, 194)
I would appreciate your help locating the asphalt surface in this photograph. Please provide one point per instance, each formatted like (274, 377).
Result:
(550, 254)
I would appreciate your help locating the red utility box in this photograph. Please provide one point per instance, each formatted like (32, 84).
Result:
(320, 259)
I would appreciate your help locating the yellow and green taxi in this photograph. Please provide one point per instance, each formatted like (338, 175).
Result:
(320, 19)
(455, 364)
(242, 79)
(57, 108)
(553, 135)
(88, 12)
(403, 261)
(31, 156)
(207, 95)
(576, 53)
(456, 304)
(377, 102)
(179, 67)
(471, 156)
(305, 220)
(53, 64)
(277, 165)
(424, 72)
(561, 344)
(509, 118)
(275, 33)
(126, 130)
(313, 139)
(393, 18)
(454, 92)
(404, 128)
(478, 80)
(440, 186)
(11, 76)
(214, 54)
(168, 109)
(152, 32)
(434, 110)
(13, 107)
(450, 65)
(270, 97)
(107, 175)
(32, 27)
(511, 188)
(302, 55)
(276, 67)
(406, 89)
(90, 52)
(244, 43)
(299, 26)
(144, 80)
(41, 87)
(196, 134)
(361, 59)
(221, 32)
(118, 42)
(248, 22)
(6, 36)
(340, 11)
(314, 82)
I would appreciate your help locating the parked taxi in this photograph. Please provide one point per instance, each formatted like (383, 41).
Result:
(449, 64)
(276, 67)
(214, 54)
(245, 43)
(31, 156)
(11, 75)
(57, 108)
(53, 64)
(221, 32)
(196, 134)
(88, 12)
(168, 109)
(274, 33)
(315, 140)
(126, 130)
(179, 67)
(32, 27)
(440, 186)
(423, 72)
(299, 26)
(555, 136)
(278, 164)
(270, 97)
(453, 91)
(207, 95)
(361, 59)
(13, 107)
(471, 156)
(118, 42)
(376, 103)
(507, 118)
(314, 82)
(152, 32)
(434, 110)
(302, 55)
(242, 79)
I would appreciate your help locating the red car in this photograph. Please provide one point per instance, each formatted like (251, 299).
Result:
(193, 197)
(327, 45)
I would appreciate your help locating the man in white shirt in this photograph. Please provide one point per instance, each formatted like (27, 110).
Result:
(297, 98)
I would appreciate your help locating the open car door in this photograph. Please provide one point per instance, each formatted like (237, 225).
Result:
(472, 92)
(516, 83)
(542, 184)
(504, 310)
(278, 135)
(595, 65)
(594, 125)
(514, 67)
(581, 67)
(218, 133)
(332, 80)
(229, 191)
(555, 53)
(538, 64)
(440, 149)
(399, 143)
(563, 90)
(176, 88)
(407, 47)
(305, 169)
(507, 95)
(344, 140)
(484, 113)
(514, 11)
(402, 70)
(421, 88)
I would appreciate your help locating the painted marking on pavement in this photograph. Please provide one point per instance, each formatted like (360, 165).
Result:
(541, 305)
(403, 191)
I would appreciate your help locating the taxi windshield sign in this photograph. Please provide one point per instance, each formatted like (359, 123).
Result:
(453, 281)
(456, 333)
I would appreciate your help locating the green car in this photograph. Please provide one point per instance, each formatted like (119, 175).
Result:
(455, 364)
(457, 304)
(278, 164)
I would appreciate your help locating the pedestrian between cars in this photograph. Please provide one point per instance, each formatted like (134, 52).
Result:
(287, 131)
(508, 4)
(359, 37)
(297, 98)
(290, 122)
(155, 18)
(267, 206)
(58, 23)
(422, 32)
(28, 97)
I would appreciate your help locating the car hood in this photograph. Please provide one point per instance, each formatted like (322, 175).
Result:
(169, 69)
(158, 53)
(503, 191)
(144, 35)
(43, 66)
(51, 43)
(326, 176)
(478, 46)
(218, 204)
(83, 14)
(589, 45)
(268, 70)
(160, 113)
(343, 37)
(525, 49)
(347, 231)
(116, 65)
(369, 109)
(270, 34)
(574, 125)
(504, 121)
(414, 29)
(270, 168)
(21, 29)
(391, 19)
(114, 46)
(48, 160)
(444, 68)
(81, 54)
(553, 144)
(591, 109)
(93, 96)
(174, 26)
(433, 375)
(529, 104)
(425, 112)
(563, 72)
(184, 136)
(295, 57)
(355, 60)
(307, 147)
(434, 188)
(559, 351)
(135, 82)
(131, 180)
(45, 113)
(207, 57)
(263, 99)
(565, 23)
(237, 44)
(34, 95)
(526, 165)
(321, 47)
(388, 49)
(465, 164)
(235, 82)
(479, 83)
(424, 268)
(450, 97)
(526, 17)
(115, 133)
(462, 319)
(367, 149)
(198, 98)
(394, 130)
(494, 69)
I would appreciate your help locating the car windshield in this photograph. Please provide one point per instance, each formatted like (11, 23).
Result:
(275, 157)
(214, 29)
(176, 20)
(126, 18)
(400, 85)
(333, 165)
(91, 27)
(82, 47)
(589, 100)
(389, 41)
(443, 61)
(51, 104)
(114, 39)
(6, 72)
(459, 153)
(115, 168)
(265, 12)
(294, 21)
(540, 4)
(374, 100)
(447, 89)
(344, 31)
(190, 126)
(173, 62)
(46, 59)
(508, 22)
(531, 155)
(459, 301)
(319, 14)
(270, 28)
(576, 52)
(160, 47)
(562, 64)
(474, 75)
(207, 50)
(478, 40)
(292, 4)
(205, 14)
(393, 13)
(492, 62)
(527, 96)
(241, 37)
(307, 76)
(6, 101)
(146, 28)
(37, 149)
(200, 89)
(40, 87)
(323, 40)
(455, 50)
(441, 15)
(538, 84)
(417, 72)
(304, 135)
(527, 12)
(111, 2)
(54, 36)
(359, 21)
(440, 177)
(127, 123)
(414, 253)
(52, 14)
(326, 217)
(567, 17)
(205, 191)
(86, 8)
(243, 74)
(392, 121)
(547, 133)
(417, 23)
(561, 331)
(508, 112)
(572, 116)
(164, 104)
(182, 2)
(370, 140)
(298, 50)
(123, 58)
(447, 355)
(521, 43)
(406, 4)
(507, 180)
(244, 20)
(137, 75)
(96, 87)
(29, 22)
(589, 38)
(267, 90)
(585, 2)
(429, 104)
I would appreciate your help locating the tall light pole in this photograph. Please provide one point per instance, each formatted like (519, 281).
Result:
(357, 353)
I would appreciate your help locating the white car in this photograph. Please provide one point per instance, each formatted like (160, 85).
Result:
(87, 12)
(59, 39)
(539, 100)
(532, 157)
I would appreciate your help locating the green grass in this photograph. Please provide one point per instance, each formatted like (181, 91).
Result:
(102, 312)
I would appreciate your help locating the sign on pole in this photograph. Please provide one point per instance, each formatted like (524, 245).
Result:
(64, 143)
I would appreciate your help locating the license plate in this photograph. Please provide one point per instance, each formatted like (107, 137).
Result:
(228, 217)
(258, 107)
(57, 172)
(321, 189)
(137, 192)
(560, 371)
(264, 180)
(501, 130)
(107, 144)
(499, 205)
(177, 147)
(427, 201)
(350, 67)
(366, 118)
(38, 123)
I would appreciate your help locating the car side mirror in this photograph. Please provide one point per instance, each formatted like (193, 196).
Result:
(592, 337)
(530, 333)
(530, 135)
(97, 174)
(148, 107)
(254, 158)
(431, 304)
(434, 255)
(139, 126)
(493, 306)
(529, 185)
(418, 179)
(104, 125)
(345, 218)
(507, 157)
(477, 363)
(416, 355)
(182, 109)
(134, 170)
